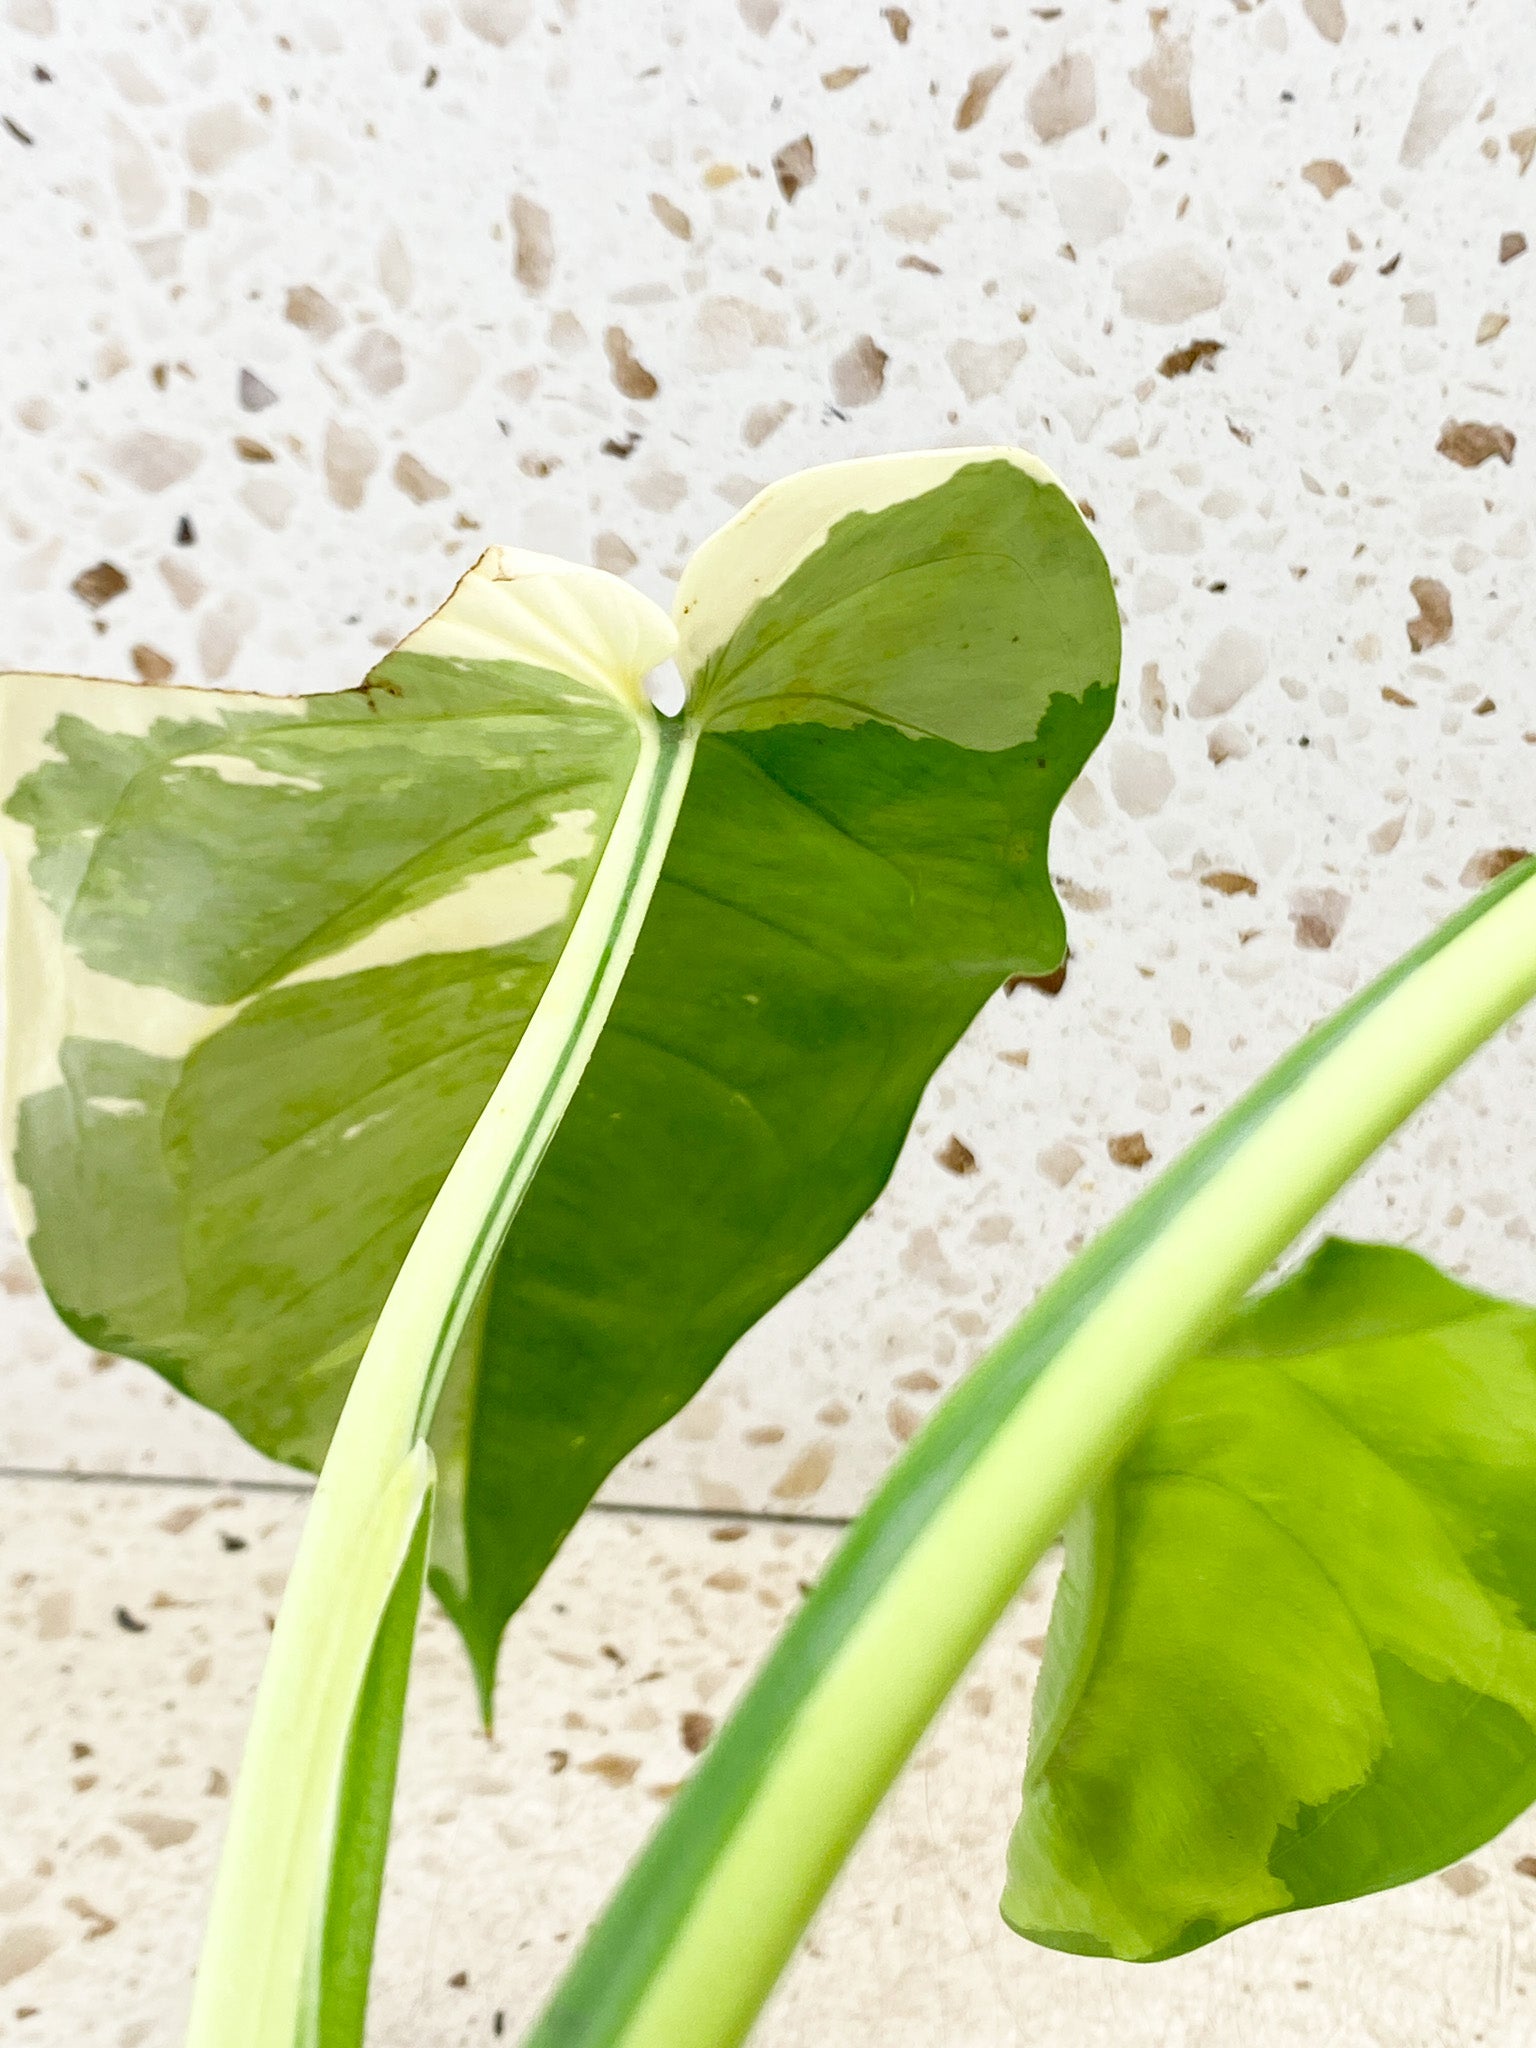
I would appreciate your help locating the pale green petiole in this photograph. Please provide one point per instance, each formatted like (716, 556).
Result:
(694, 1940)
(261, 1975)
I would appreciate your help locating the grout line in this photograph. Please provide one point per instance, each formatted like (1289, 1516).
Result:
(300, 1488)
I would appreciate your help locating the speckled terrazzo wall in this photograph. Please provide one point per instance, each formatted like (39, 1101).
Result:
(299, 315)
(301, 305)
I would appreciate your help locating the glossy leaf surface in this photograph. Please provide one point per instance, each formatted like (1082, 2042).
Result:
(1293, 1656)
(273, 956)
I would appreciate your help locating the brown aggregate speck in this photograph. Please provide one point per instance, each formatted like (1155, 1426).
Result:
(1050, 984)
(611, 551)
(1472, 442)
(311, 310)
(613, 1770)
(97, 1922)
(350, 460)
(763, 421)
(858, 374)
(1490, 864)
(1463, 1879)
(1525, 1866)
(1326, 175)
(1491, 326)
(956, 1157)
(902, 1420)
(1164, 81)
(99, 585)
(252, 451)
(533, 244)
(1064, 98)
(1180, 361)
(844, 76)
(150, 665)
(696, 1728)
(1130, 1149)
(558, 1760)
(1392, 696)
(1511, 245)
(1432, 626)
(978, 95)
(794, 166)
(1327, 17)
(1059, 1164)
(1229, 882)
(899, 22)
(159, 1830)
(1523, 143)
(672, 218)
(416, 480)
(807, 1474)
(920, 1381)
(629, 374)
(1317, 917)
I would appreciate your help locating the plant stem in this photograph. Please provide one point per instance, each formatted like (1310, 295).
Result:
(256, 1984)
(695, 1938)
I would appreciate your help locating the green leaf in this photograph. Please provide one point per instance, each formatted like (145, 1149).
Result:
(837, 903)
(1293, 1657)
(293, 944)
(268, 958)
(689, 1946)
